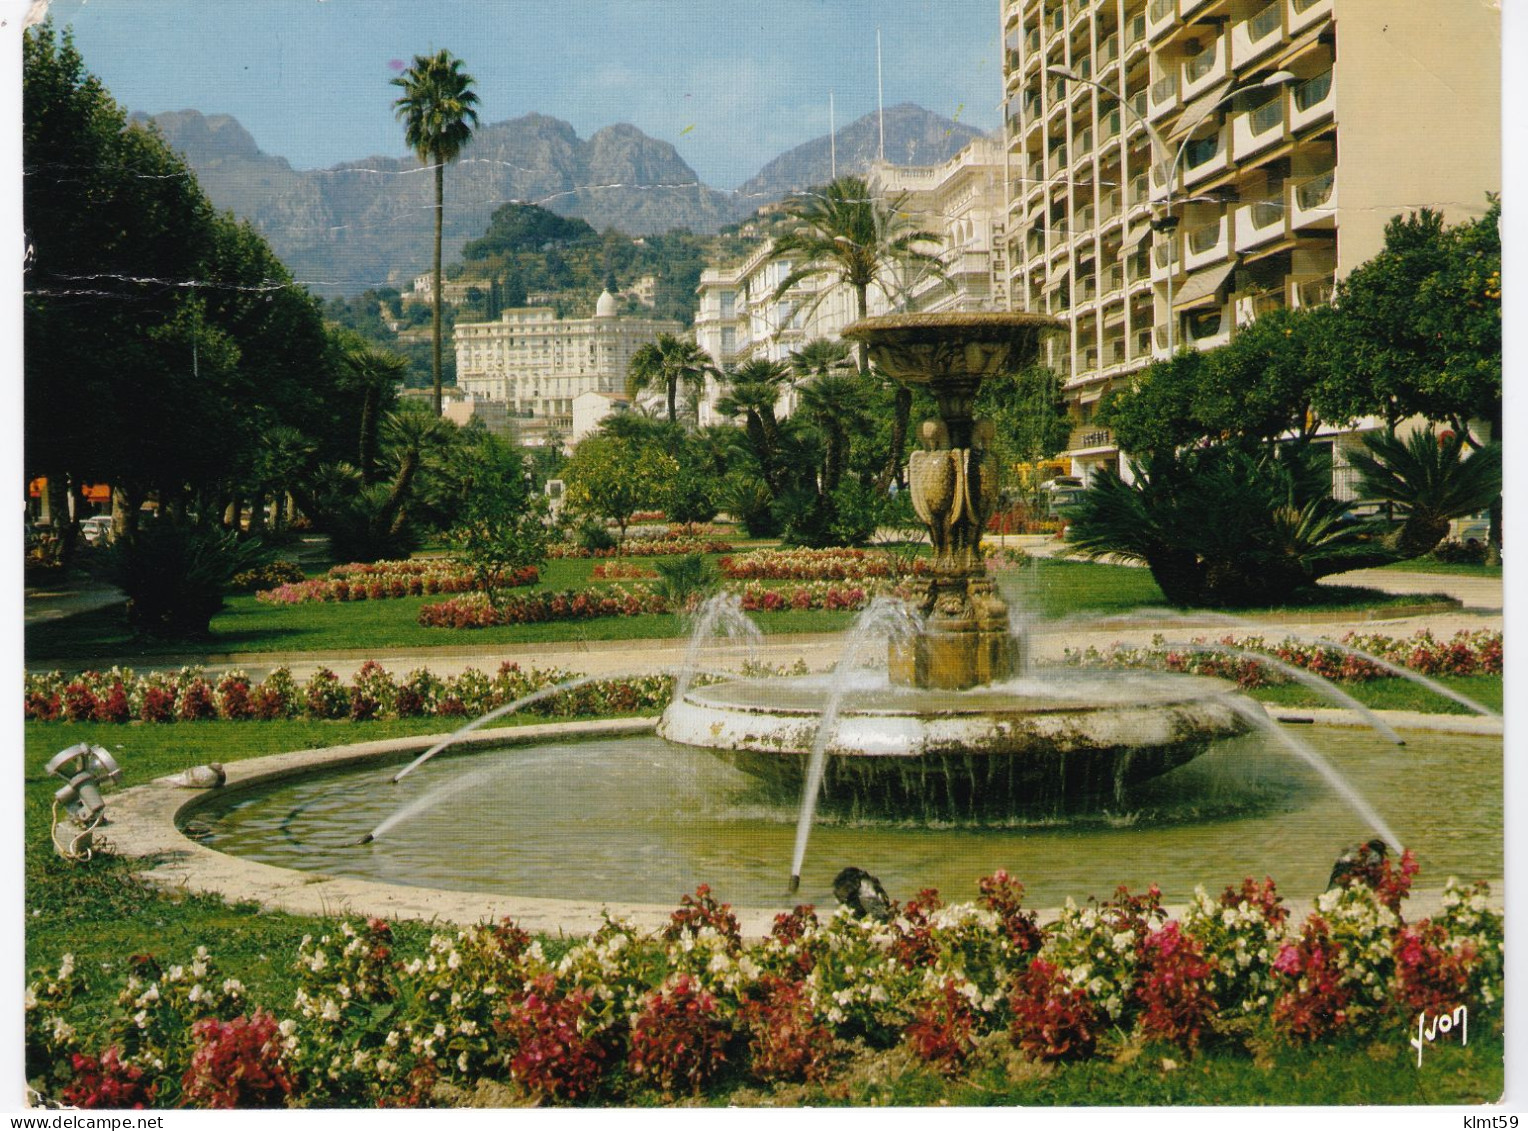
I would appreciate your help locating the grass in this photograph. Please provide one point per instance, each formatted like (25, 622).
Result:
(1050, 589)
(1395, 694)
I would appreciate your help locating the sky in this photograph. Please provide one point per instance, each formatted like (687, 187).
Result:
(730, 84)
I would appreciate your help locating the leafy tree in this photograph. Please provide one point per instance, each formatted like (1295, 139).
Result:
(843, 231)
(669, 363)
(501, 526)
(609, 477)
(753, 388)
(437, 110)
(1419, 326)
(518, 227)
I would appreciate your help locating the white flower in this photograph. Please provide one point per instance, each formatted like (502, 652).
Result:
(330, 1010)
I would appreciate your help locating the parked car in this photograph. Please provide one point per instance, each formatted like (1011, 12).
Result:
(96, 530)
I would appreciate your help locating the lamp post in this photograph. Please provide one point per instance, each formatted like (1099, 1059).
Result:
(1168, 221)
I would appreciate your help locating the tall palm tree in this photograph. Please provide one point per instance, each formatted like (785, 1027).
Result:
(844, 231)
(669, 362)
(753, 388)
(436, 109)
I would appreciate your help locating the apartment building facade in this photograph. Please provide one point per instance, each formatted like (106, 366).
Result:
(537, 364)
(1181, 166)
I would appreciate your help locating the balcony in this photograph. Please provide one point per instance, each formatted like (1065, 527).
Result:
(1162, 97)
(1108, 51)
(1204, 156)
(1140, 103)
(1109, 207)
(1056, 24)
(1082, 143)
(1313, 202)
(1206, 329)
(1307, 13)
(1090, 438)
(1162, 17)
(1312, 292)
(1109, 126)
(1208, 243)
(1084, 224)
(1139, 191)
(1312, 100)
(1257, 35)
(1114, 279)
(1163, 254)
(1135, 35)
(1259, 223)
(1212, 65)
(1258, 129)
(1187, 8)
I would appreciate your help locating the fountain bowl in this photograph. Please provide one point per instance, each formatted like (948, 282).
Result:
(982, 752)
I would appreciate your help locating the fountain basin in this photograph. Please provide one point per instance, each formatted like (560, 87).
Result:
(981, 752)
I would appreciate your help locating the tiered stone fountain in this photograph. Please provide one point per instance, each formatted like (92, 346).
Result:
(956, 729)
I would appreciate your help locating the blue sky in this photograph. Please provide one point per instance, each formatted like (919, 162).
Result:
(730, 84)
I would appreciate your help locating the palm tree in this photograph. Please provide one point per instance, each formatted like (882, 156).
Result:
(374, 373)
(437, 113)
(752, 390)
(845, 232)
(835, 398)
(1427, 482)
(669, 362)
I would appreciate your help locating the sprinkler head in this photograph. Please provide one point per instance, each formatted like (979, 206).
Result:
(795, 883)
(367, 839)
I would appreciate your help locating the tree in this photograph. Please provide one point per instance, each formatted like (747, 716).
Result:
(843, 231)
(836, 401)
(501, 527)
(437, 110)
(612, 478)
(374, 375)
(668, 363)
(1427, 482)
(752, 391)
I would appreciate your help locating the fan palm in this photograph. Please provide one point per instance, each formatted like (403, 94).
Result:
(845, 232)
(374, 373)
(668, 363)
(837, 401)
(753, 388)
(1427, 481)
(437, 110)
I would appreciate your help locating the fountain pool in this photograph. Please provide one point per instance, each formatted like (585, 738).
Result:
(636, 820)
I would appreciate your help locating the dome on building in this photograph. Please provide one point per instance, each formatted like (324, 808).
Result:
(605, 308)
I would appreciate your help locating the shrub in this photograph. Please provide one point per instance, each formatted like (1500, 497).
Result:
(701, 911)
(1174, 987)
(1052, 1018)
(175, 577)
(679, 1040)
(107, 1082)
(943, 1030)
(786, 1040)
(550, 1054)
(268, 576)
(237, 1063)
(1315, 1004)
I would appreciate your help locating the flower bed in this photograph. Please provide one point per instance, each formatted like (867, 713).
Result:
(817, 565)
(627, 1017)
(1466, 653)
(473, 611)
(378, 581)
(643, 548)
(621, 571)
(120, 696)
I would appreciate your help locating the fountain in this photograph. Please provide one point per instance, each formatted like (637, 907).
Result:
(953, 731)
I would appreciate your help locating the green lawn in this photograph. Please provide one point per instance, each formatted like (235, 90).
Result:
(1048, 589)
(1395, 694)
(1428, 565)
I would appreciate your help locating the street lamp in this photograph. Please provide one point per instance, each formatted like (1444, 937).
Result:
(1168, 221)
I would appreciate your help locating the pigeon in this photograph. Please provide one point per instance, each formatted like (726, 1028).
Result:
(862, 894)
(1358, 865)
(209, 776)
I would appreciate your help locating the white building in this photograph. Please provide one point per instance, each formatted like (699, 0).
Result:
(536, 363)
(961, 200)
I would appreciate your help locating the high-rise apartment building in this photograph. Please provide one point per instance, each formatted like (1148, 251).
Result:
(1179, 167)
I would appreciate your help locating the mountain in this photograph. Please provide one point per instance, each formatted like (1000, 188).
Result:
(914, 136)
(366, 223)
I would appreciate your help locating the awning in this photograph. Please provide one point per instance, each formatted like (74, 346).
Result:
(1204, 288)
(1133, 239)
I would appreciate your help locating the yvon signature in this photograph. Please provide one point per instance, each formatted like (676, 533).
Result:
(1441, 1023)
